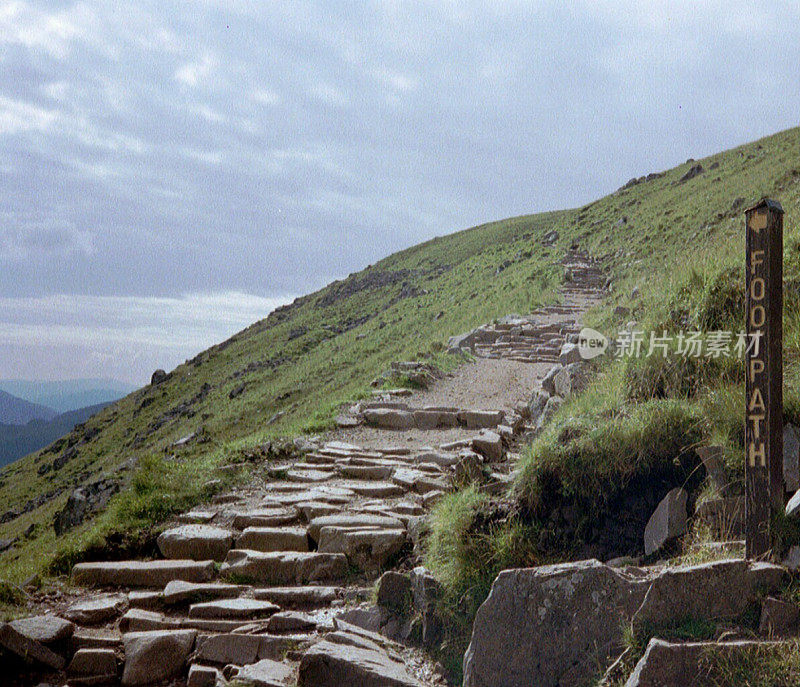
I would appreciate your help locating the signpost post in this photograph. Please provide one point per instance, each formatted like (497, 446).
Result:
(764, 375)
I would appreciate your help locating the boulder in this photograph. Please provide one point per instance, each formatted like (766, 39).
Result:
(488, 444)
(288, 567)
(330, 664)
(154, 656)
(394, 592)
(267, 673)
(468, 469)
(157, 377)
(550, 409)
(667, 521)
(195, 542)
(720, 590)
(141, 573)
(47, 629)
(570, 380)
(536, 406)
(548, 382)
(84, 502)
(570, 353)
(571, 618)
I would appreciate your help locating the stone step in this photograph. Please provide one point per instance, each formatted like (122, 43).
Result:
(299, 597)
(264, 517)
(195, 542)
(179, 592)
(233, 609)
(273, 539)
(141, 573)
(282, 568)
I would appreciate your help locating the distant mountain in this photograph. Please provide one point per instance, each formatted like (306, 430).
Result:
(68, 394)
(20, 440)
(18, 411)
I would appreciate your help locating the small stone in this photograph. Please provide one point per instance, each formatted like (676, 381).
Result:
(202, 676)
(667, 522)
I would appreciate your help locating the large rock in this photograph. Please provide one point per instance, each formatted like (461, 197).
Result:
(667, 521)
(84, 502)
(425, 591)
(330, 664)
(47, 629)
(239, 649)
(280, 567)
(570, 353)
(548, 382)
(27, 649)
(195, 542)
(154, 656)
(570, 380)
(140, 573)
(551, 626)
(97, 663)
(488, 444)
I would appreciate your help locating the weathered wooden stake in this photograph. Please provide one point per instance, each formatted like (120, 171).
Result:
(764, 375)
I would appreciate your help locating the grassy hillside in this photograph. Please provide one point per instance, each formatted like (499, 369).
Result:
(658, 236)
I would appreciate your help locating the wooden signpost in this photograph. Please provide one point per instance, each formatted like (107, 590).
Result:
(764, 375)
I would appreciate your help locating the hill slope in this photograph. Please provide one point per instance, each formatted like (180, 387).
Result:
(323, 349)
(18, 411)
(20, 440)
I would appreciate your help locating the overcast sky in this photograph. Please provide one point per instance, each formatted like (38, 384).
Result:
(172, 171)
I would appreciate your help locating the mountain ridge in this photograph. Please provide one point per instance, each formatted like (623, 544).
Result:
(18, 411)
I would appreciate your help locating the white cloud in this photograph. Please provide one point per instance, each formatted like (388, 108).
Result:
(17, 116)
(197, 71)
(328, 94)
(52, 32)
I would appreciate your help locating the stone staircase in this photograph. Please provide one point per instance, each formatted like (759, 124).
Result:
(271, 584)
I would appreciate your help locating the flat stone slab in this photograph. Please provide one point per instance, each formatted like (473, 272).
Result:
(273, 539)
(195, 542)
(96, 611)
(291, 621)
(94, 662)
(352, 521)
(227, 609)
(298, 597)
(377, 490)
(140, 620)
(178, 591)
(314, 509)
(46, 629)
(140, 573)
(309, 476)
(283, 568)
(264, 517)
(198, 516)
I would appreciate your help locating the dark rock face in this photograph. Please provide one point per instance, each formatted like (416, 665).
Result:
(83, 502)
(158, 377)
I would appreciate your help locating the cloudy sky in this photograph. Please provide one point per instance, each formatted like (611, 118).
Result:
(172, 171)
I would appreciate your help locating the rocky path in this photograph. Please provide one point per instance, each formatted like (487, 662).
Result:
(275, 583)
